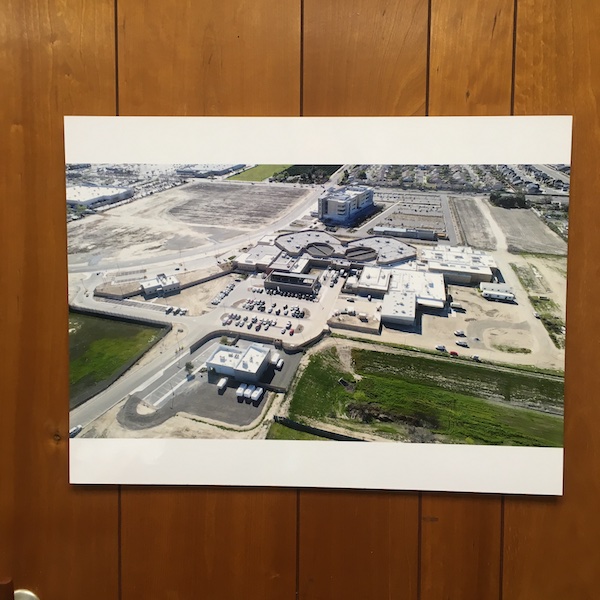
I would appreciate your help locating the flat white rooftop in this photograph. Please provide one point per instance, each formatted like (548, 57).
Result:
(85, 193)
(376, 279)
(252, 359)
(428, 288)
(459, 255)
(226, 356)
(399, 306)
(261, 254)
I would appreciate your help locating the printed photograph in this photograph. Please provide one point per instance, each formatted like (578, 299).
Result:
(350, 302)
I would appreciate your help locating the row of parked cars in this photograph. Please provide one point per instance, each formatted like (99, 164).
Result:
(222, 294)
(175, 310)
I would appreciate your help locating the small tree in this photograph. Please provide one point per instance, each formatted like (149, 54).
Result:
(189, 367)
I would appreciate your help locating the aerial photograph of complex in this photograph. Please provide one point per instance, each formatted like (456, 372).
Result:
(390, 303)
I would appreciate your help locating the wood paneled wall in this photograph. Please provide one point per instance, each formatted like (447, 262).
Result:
(265, 57)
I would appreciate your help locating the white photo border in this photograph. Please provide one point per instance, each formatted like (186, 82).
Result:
(318, 140)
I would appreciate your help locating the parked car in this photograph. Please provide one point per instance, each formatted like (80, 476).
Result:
(441, 348)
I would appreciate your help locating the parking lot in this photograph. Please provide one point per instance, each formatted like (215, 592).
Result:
(251, 309)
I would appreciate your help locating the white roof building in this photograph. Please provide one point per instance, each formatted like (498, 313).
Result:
(244, 364)
(374, 279)
(409, 289)
(460, 264)
(258, 257)
(95, 195)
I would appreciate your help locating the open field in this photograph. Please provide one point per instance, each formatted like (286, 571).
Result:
(526, 232)
(279, 432)
(259, 172)
(423, 398)
(99, 347)
(181, 218)
(234, 205)
(474, 225)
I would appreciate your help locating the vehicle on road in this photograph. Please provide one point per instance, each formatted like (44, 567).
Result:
(74, 431)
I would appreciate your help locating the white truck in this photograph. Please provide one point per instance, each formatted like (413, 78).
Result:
(222, 384)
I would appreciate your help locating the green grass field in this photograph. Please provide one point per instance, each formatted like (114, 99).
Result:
(280, 432)
(463, 377)
(259, 173)
(450, 399)
(100, 347)
(318, 393)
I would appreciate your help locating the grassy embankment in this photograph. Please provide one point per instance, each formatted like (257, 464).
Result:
(259, 172)
(279, 432)
(450, 399)
(100, 347)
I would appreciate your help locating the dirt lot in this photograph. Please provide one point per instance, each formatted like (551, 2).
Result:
(238, 205)
(197, 298)
(189, 216)
(525, 232)
(475, 227)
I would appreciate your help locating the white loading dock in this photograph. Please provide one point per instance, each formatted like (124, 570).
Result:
(497, 291)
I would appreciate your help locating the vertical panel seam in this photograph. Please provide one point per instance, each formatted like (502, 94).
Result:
(116, 13)
(514, 59)
(419, 543)
(119, 550)
(501, 566)
(301, 105)
(297, 544)
(428, 64)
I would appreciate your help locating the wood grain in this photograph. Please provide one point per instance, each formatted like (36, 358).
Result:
(209, 543)
(461, 546)
(209, 57)
(551, 546)
(368, 58)
(356, 545)
(57, 58)
(471, 57)
(470, 74)
(364, 57)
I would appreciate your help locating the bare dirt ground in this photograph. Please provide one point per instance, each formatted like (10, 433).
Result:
(197, 298)
(181, 218)
(554, 273)
(526, 232)
(475, 227)
(244, 206)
